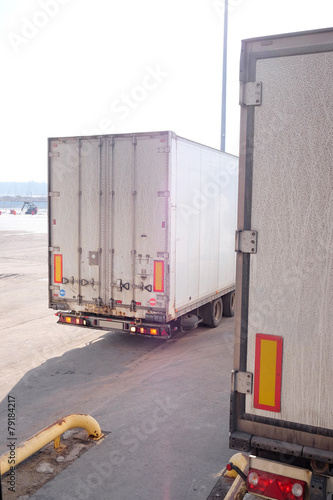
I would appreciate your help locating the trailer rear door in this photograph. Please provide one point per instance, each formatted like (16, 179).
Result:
(108, 224)
(139, 215)
(77, 221)
(283, 379)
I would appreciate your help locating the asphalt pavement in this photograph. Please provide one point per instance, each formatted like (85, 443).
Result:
(163, 405)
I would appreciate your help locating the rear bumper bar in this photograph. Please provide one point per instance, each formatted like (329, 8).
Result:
(156, 330)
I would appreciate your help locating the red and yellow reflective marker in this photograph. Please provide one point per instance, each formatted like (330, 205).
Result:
(268, 372)
(57, 268)
(158, 276)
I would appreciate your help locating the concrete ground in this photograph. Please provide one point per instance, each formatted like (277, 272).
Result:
(164, 406)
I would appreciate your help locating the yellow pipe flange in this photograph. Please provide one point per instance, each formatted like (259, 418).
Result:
(45, 436)
(238, 487)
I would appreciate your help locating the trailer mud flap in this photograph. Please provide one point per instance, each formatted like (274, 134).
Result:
(318, 487)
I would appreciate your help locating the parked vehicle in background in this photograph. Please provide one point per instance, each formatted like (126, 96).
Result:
(141, 232)
(30, 208)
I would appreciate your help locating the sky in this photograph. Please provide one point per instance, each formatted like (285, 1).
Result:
(83, 67)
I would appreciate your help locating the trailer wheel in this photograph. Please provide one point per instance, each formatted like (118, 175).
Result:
(212, 313)
(229, 304)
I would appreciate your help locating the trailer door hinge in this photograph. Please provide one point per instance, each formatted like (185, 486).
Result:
(54, 154)
(246, 241)
(54, 194)
(241, 382)
(250, 93)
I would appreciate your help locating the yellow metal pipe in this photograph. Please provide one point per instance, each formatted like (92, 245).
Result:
(17, 454)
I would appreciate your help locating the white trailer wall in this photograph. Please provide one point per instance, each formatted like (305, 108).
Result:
(204, 199)
(284, 283)
(291, 282)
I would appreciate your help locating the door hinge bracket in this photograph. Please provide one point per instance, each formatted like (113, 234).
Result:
(250, 93)
(241, 382)
(246, 241)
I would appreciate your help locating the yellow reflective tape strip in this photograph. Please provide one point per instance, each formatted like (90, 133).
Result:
(58, 268)
(158, 276)
(267, 380)
(268, 372)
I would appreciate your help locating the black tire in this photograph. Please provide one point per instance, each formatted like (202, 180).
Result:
(212, 313)
(229, 304)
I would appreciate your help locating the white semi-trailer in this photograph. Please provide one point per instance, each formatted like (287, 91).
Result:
(282, 382)
(141, 232)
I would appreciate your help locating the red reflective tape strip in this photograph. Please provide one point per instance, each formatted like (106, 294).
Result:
(57, 268)
(268, 372)
(158, 276)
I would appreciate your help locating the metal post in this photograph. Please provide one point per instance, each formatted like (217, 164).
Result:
(224, 77)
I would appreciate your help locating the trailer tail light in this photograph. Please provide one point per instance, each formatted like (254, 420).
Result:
(158, 276)
(57, 265)
(72, 320)
(274, 486)
(144, 330)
